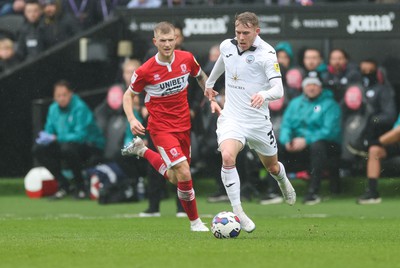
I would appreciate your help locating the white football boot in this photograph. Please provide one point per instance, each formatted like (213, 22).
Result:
(245, 222)
(198, 226)
(135, 147)
(288, 192)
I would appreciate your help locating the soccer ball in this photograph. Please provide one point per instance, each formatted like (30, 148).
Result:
(225, 225)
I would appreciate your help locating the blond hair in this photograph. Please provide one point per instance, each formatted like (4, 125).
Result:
(248, 19)
(163, 27)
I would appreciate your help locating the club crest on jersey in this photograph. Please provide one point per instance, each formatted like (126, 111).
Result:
(250, 59)
(156, 77)
(276, 67)
(183, 68)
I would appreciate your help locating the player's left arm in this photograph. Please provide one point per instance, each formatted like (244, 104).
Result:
(201, 80)
(274, 93)
(273, 73)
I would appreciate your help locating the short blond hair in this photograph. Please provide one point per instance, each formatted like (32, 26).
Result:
(163, 27)
(248, 19)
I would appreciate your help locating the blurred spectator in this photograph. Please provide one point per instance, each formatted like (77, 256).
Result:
(305, 2)
(8, 57)
(58, 26)
(85, 12)
(341, 73)
(144, 3)
(380, 97)
(372, 109)
(313, 61)
(309, 139)
(111, 120)
(106, 7)
(284, 53)
(10, 7)
(174, 3)
(70, 136)
(31, 40)
(386, 146)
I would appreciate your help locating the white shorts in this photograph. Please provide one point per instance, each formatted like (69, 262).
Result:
(259, 137)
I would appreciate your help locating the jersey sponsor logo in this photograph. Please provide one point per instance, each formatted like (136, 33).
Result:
(276, 67)
(235, 77)
(250, 59)
(370, 23)
(172, 86)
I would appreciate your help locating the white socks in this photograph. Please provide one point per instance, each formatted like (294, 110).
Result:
(231, 181)
(281, 177)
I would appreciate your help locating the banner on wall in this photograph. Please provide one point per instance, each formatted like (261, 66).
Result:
(283, 22)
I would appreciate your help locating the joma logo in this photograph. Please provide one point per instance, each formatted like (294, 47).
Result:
(370, 23)
(206, 26)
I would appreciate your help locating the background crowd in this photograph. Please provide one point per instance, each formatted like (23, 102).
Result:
(335, 112)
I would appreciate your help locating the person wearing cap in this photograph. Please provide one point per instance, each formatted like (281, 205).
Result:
(310, 137)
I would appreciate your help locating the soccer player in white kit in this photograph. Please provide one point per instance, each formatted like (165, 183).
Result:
(252, 79)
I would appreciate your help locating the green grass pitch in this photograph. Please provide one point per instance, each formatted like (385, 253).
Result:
(70, 233)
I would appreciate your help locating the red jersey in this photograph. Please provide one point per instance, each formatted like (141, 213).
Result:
(166, 85)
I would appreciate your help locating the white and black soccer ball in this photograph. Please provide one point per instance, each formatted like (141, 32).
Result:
(225, 225)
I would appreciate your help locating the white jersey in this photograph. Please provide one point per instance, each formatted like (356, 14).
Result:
(247, 73)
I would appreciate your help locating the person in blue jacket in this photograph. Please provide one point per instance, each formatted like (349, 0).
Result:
(70, 136)
(310, 138)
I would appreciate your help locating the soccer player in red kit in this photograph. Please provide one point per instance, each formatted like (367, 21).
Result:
(164, 78)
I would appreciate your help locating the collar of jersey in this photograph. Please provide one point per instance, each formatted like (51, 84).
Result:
(165, 63)
(252, 48)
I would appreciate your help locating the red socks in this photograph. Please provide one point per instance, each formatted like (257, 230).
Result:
(156, 162)
(185, 188)
(188, 200)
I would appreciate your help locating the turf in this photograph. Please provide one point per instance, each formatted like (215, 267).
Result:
(70, 233)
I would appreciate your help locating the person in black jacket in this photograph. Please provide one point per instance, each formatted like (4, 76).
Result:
(58, 26)
(380, 96)
(341, 73)
(31, 35)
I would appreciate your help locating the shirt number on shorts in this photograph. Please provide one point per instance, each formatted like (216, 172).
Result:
(271, 138)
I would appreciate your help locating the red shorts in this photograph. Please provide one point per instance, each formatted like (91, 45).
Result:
(173, 147)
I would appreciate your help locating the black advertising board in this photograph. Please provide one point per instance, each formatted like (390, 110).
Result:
(334, 21)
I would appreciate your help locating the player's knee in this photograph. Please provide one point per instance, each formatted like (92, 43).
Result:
(182, 172)
(228, 159)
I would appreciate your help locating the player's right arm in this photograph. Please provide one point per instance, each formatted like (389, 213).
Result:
(128, 101)
(216, 72)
